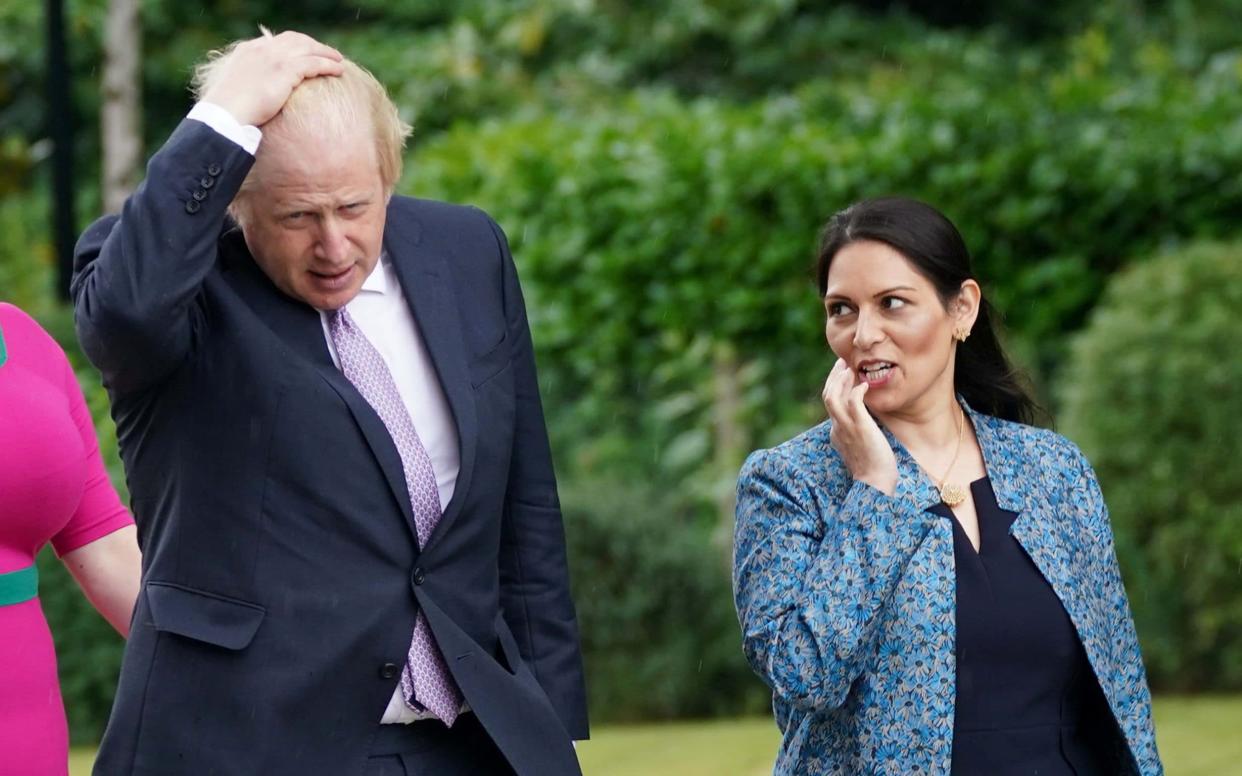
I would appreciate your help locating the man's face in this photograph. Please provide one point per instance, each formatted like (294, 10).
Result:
(315, 221)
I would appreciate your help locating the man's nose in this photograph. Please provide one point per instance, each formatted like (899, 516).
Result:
(868, 332)
(333, 245)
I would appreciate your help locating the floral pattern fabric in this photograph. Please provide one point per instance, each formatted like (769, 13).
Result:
(847, 597)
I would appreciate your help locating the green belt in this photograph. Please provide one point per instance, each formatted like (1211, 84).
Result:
(17, 587)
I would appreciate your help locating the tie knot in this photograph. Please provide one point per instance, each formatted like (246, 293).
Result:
(339, 319)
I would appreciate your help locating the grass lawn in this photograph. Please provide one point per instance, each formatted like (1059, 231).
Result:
(1198, 736)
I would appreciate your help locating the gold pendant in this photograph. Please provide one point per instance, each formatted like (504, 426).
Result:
(952, 494)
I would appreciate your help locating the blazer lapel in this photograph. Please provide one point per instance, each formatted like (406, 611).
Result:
(1043, 527)
(300, 327)
(422, 269)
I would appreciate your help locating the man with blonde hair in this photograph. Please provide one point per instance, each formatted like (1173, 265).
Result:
(326, 402)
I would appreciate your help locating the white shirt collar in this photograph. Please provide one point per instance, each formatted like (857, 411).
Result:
(377, 281)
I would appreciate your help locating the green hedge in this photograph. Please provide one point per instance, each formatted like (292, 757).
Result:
(1153, 394)
(665, 247)
(659, 634)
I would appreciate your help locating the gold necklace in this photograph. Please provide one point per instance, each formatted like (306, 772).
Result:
(952, 493)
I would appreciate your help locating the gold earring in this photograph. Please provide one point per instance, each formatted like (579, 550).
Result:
(960, 333)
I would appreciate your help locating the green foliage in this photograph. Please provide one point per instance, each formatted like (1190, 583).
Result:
(659, 633)
(1153, 394)
(27, 261)
(666, 247)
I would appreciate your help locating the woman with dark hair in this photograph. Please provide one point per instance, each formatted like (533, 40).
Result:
(927, 583)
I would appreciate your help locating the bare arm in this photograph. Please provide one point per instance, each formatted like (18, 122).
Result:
(108, 571)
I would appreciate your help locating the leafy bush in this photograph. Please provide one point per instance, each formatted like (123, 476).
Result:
(1153, 394)
(665, 247)
(660, 637)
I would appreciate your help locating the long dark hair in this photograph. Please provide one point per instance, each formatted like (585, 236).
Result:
(983, 374)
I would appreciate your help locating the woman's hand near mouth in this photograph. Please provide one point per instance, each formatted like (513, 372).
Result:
(855, 434)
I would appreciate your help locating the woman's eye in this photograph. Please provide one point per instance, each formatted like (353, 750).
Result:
(893, 302)
(837, 308)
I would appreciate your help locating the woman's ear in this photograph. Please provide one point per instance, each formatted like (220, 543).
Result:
(964, 308)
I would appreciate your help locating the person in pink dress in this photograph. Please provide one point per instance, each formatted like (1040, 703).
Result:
(53, 487)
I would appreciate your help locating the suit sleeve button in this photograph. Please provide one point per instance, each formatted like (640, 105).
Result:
(199, 195)
(419, 576)
(192, 206)
(213, 169)
(389, 670)
(206, 181)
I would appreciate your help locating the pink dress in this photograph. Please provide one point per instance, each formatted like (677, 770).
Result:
(53, 487)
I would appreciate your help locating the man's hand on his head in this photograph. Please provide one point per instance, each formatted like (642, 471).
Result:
(261, 74)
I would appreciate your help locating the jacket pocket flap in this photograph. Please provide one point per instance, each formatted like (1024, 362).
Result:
(491, 363)
(203, 616)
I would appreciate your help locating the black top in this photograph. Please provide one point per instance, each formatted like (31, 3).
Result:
(1027, 700)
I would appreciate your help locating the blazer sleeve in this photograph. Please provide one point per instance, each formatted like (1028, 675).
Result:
(534, 573)
(1131, 693)
(811, 582)
(137, 275)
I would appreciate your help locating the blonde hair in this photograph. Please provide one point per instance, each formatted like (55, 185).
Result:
(325, 106)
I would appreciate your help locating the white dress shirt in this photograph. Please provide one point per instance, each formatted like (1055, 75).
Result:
(381, 312)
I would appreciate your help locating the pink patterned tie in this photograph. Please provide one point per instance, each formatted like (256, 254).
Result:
(425, 676)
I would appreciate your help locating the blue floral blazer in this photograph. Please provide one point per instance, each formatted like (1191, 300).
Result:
(847, 597)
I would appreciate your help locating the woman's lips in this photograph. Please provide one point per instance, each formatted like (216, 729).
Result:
(876, 373)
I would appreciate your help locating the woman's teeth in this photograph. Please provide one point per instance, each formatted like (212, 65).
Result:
(874, 373)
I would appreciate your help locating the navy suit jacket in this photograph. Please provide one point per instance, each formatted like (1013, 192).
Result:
(282, 574)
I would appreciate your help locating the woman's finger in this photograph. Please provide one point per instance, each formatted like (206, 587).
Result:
(856, 401)
(832, 391)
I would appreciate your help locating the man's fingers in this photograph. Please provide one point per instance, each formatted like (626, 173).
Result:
(303, 44)
(312, 66)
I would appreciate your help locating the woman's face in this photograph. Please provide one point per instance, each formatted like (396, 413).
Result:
(887, 323)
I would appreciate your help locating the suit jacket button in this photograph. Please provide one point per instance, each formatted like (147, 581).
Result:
(206, 181)
(419, 576)
(213, 169)
(389, 670)
(192, 206)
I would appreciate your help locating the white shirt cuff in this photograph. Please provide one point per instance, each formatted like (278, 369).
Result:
(222, 121)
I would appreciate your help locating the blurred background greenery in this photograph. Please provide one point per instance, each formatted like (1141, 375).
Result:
(663, 170)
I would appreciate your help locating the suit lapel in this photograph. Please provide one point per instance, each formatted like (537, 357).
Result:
(300, 327)
(422, 269)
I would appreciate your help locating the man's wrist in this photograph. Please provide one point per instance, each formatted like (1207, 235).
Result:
(224, 123)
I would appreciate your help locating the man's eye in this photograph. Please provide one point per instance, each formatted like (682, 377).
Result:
(296, 216)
